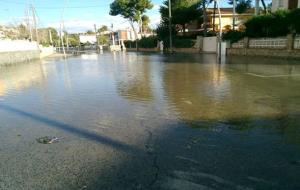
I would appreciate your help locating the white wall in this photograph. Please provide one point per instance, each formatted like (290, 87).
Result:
(88, 38)
(46, 51)
(210, 44)
(17, 45)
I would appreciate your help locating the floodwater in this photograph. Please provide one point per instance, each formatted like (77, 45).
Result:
(150, 121)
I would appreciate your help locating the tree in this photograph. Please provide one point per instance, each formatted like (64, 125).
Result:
(73, 40)
(90, 32)
(23, 31)
(145, 23)
(183, 12)
(103, 29)
(242, 5)
(130, 9)
(205, 4)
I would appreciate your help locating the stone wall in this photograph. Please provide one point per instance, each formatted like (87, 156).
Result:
(8, 58)
(282, 53)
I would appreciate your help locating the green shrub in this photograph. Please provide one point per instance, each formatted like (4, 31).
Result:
(233, 36)
(269, 25)
(294, 21)
(144, 42)
(180, 43)
(148, 42)
(130, 44)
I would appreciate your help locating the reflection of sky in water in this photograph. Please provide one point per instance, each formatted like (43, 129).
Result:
(89, 56)
(106, 104)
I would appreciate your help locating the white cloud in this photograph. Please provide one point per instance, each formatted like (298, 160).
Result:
(82, 25)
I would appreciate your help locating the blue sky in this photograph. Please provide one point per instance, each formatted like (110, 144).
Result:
(80, 15)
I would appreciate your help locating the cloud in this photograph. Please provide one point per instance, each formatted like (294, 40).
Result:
(82, 25)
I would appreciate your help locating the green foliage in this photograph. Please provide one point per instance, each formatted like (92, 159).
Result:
(130, 9)
(145, 23)
(148, 42)
(162, 31)
(151, 42)
(73, 40)
(103, 29)
(233, 36)
(279, 23)
(269, 25)
(145, 42)
(130, 44)
(242, 5)
(183, 12)
(103, 39)
(180, 43)
(294, 21)
(90, 32)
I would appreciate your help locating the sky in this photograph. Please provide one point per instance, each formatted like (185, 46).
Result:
(78, 16)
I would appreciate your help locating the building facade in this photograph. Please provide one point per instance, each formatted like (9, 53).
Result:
(227, 19)
(285, 4)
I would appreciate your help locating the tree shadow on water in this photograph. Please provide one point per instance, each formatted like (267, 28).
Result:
(72, 129)
(239, 153)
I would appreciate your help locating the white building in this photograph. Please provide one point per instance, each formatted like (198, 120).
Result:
(92, 39)
(285, 4)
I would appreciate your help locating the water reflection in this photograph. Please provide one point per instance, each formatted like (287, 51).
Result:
(226, 92)
(127, 116)
(135, 80)
(17, 78)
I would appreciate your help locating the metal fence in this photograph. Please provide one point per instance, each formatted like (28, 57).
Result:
(273, 43)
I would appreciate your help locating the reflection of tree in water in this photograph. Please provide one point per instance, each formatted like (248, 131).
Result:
(213, 93)
(134, 82)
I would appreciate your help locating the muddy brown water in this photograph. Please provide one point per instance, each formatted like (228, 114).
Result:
(150, 121)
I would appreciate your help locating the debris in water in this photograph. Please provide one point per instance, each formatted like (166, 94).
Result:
(48, 140)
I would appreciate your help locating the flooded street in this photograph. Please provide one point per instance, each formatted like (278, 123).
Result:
(150, 121)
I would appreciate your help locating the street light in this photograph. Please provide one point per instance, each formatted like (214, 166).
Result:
(170, 26)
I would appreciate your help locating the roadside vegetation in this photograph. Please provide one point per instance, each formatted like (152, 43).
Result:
(277, 24)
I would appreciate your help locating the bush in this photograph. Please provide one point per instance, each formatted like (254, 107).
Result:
(179, 43)
(294, 21)
(269, 25)
(144, 42)
(148, 42)
(130, 44)
(233, 36)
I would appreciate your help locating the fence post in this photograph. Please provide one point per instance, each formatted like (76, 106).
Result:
(246, 42)
(290, 41)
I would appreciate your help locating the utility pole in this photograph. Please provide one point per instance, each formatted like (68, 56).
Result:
(170, 26)
(256, 7)
(35, 23)
(234, 15)
(27, 12)
(50, 37)
(61, 30)
(112, 35)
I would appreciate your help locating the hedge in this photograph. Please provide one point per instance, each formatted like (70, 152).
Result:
(279, 23)
(144, 42)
